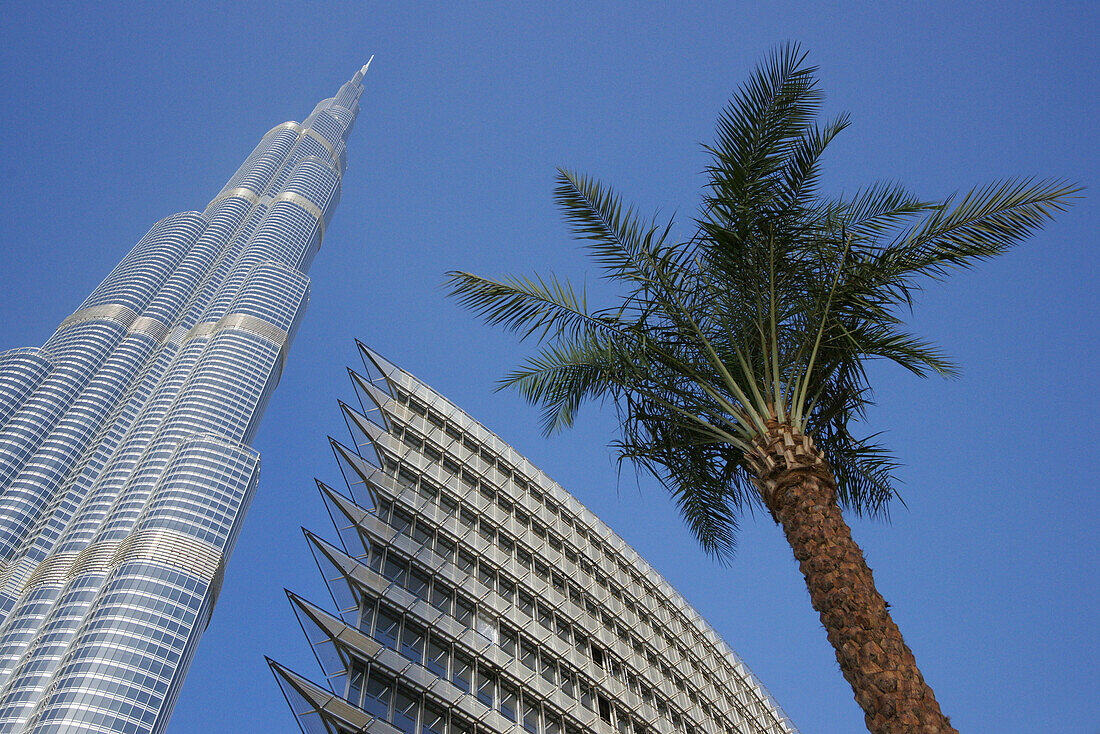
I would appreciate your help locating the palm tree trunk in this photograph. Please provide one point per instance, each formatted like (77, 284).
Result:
(799, 489)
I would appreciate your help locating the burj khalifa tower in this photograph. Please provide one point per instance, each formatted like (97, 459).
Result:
(125, 460)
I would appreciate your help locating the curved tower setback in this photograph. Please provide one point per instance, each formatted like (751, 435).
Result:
(474, 595)
(125, 460)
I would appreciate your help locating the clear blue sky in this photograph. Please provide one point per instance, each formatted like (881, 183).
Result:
(118, 116)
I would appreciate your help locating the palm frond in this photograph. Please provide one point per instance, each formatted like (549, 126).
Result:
(764, 121)
(985, 223)
(769, 312)
(618, 240)
(870, 340)
(864, 472)
(528, 306)
(802, 168)
(703, 476)
(878, 210)
(562, 376)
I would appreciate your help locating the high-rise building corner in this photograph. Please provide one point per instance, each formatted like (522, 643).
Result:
(125, 459)
(475, 595)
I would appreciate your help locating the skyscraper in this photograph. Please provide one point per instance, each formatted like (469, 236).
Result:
(125, 464)
(476, 596)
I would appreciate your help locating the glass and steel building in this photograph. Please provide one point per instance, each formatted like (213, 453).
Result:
(125, 460)
(474, 595)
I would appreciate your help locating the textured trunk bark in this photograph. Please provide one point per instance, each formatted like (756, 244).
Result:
(799, 488)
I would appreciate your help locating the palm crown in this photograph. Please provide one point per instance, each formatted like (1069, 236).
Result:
(766, 314)
(735, 357)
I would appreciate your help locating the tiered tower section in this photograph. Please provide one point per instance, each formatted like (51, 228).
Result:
(125, 464)
(476, 596)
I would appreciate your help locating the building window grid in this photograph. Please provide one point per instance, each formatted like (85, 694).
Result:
(620, 570)
(543, 616)
(539, 613)
(527, 562)
(384, 697)
(601, 554)
(146, 272)
(463, 668)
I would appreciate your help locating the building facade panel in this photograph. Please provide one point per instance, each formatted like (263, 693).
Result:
(475, 595)
(125, 466)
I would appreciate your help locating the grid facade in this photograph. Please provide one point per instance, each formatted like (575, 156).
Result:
(474, 595)
(125, 460)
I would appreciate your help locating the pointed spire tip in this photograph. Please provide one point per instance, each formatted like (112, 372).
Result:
(366, 65)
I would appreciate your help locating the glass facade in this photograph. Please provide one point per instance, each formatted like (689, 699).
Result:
(125, 460)
(474, 595)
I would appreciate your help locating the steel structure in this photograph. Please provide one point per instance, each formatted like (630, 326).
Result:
(125, 464)
(476, 596)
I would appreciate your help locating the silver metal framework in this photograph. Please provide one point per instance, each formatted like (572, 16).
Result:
(476, 596)
(125, 460)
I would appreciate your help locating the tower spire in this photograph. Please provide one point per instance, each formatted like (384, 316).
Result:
(358, 78)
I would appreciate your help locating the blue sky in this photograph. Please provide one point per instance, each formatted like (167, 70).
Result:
(121, 114)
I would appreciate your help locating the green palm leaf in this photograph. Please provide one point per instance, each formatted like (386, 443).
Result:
(767, 311)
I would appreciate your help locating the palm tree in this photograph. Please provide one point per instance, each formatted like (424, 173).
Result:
(736, 357)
